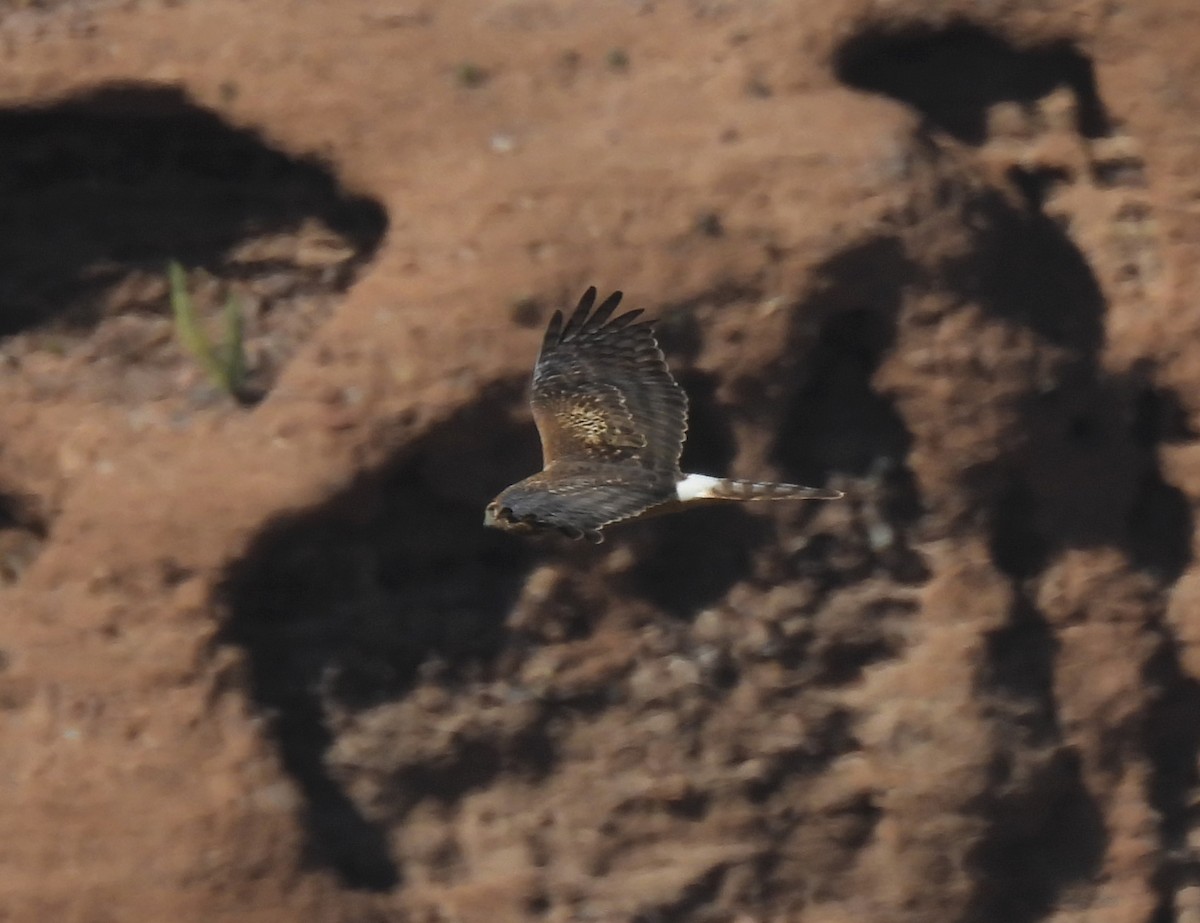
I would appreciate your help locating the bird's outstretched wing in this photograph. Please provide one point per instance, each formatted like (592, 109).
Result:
(582, 498)
(602, 392)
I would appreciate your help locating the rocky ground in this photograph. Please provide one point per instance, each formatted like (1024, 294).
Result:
(258, 659)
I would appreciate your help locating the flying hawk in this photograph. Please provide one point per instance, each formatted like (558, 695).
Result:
(612, 421)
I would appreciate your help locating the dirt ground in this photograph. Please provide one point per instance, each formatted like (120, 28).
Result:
(259, 661)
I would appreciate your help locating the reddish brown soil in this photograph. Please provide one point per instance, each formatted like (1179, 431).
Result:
(262, 663)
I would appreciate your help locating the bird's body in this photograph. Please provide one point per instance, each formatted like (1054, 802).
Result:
(612, 422)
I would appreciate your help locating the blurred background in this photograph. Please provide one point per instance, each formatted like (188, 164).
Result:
(260, 661)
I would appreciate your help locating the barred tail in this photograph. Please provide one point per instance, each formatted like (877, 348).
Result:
(702, 487)
(729, 489)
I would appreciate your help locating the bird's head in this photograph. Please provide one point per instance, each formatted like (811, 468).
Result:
(504, 513)
(499, 515)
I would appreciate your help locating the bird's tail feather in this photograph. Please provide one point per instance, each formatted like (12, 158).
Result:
(730, 489)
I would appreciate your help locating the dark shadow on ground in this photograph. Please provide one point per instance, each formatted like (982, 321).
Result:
(1047, 833)
(1172, 738)
(1077, 469)
(953, 74)
(1081, 471)
(840, 424)
(128, 176)
(690, 560)
(347, 603)
(837, 421)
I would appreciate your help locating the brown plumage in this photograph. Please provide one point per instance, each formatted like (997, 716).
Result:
(612, 422)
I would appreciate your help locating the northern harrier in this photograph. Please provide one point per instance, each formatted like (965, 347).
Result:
(612, 421)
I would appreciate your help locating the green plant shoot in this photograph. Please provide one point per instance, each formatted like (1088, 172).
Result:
(225, 363)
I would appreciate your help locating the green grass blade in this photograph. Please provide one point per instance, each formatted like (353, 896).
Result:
(187, 327)
(225, 363)
(234, 347)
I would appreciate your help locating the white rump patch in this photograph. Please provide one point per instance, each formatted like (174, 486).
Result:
(695, 486)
